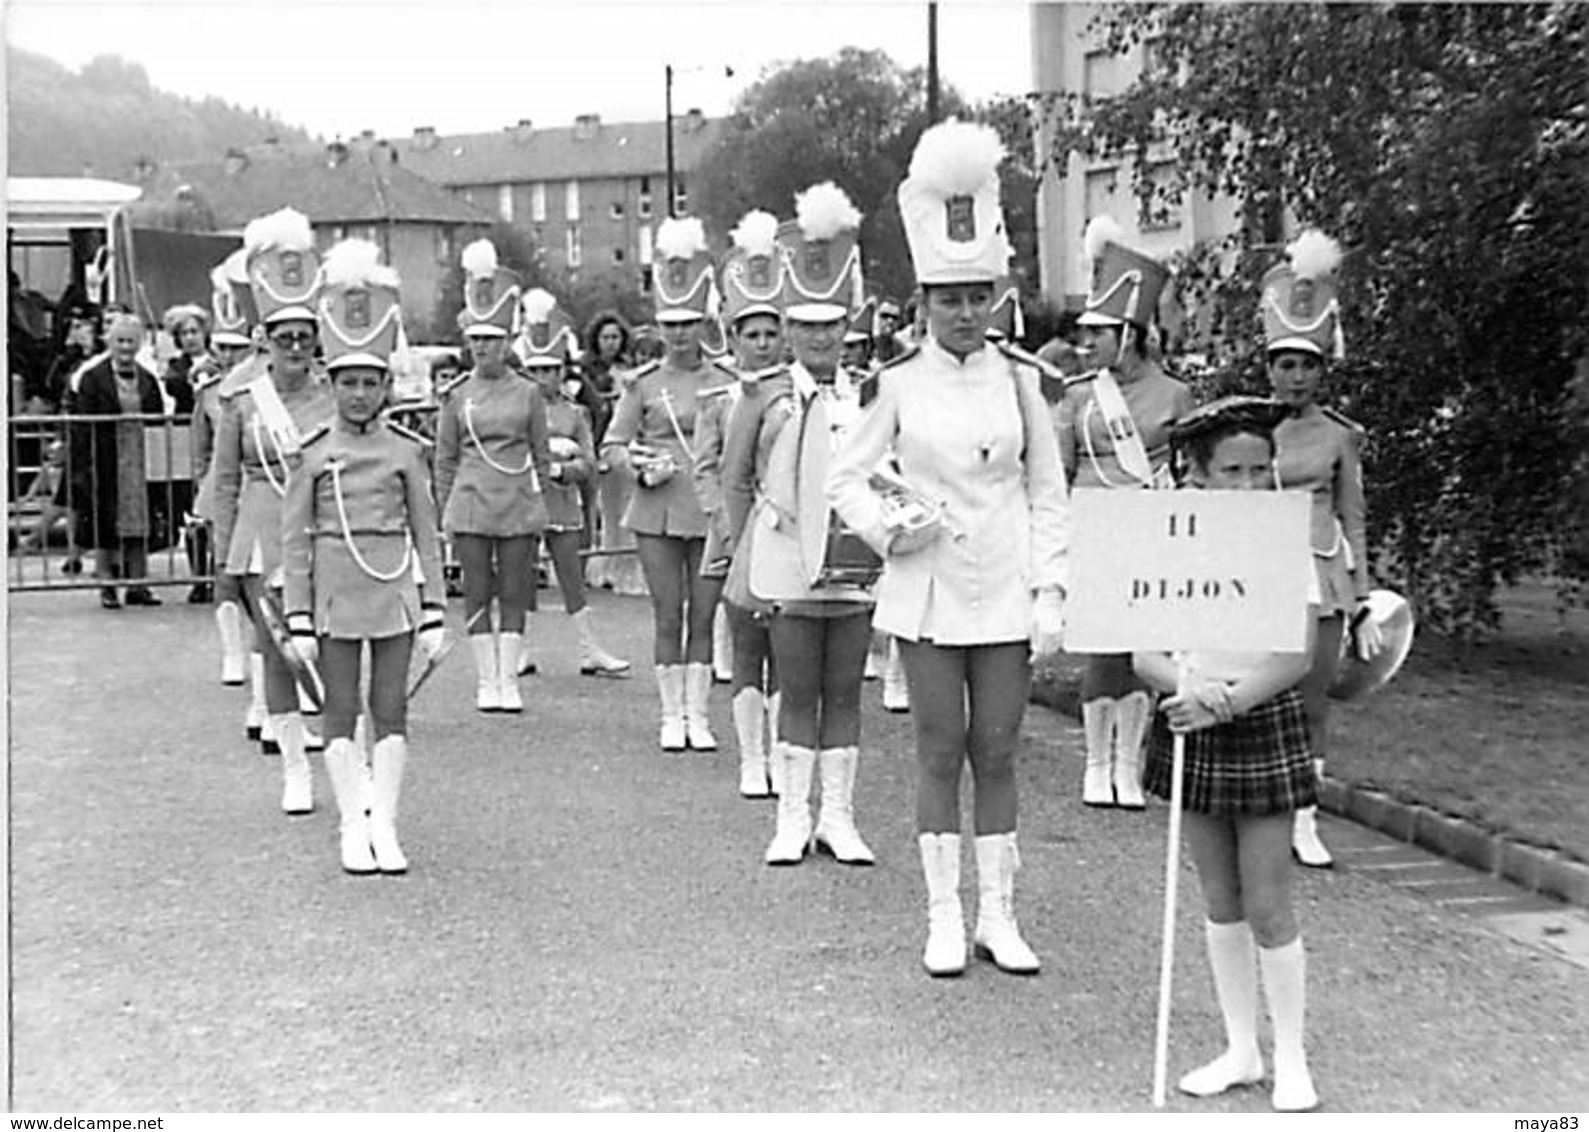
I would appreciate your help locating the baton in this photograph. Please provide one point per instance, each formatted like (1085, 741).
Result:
(304, 673)
(434, 661)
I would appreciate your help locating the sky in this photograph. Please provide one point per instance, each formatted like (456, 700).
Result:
(338, 67)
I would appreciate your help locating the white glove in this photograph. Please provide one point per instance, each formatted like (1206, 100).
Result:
(1048, 624)
(301, 627)
(563, 448)
(432, 632)
(1366, 635)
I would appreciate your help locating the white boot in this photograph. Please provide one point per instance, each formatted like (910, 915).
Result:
(1284, 972)
(722, 646)
(792, 836)
(234, 662)
(508, 671)
(896, 690)
(1235, 966)
(297, 780)
(387, 771)
(836, 832)
(313, 741)
(1132, 714)
(268, 743)
(997, 936)
(774, 763)
(697, 693)
(345, 769)
(1305, 843)
(1098, 726)
(945, 954)
(670, 689)
(593, 659)
(254, 720)
(488, 689)
(750, 723)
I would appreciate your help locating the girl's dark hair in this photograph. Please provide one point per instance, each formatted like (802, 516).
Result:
(1194, 437)
(593, 332)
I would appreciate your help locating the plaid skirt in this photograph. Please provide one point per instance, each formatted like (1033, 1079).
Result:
(1258, 763)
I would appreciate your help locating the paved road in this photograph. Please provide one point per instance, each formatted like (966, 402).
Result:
(587, 924)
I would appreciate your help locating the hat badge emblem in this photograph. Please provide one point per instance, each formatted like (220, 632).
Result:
(816, 260)
(292, 269)
(960, 219)
(484, 292)
(759, 271)
(357, 313)
(678, 273)
(1302, 298)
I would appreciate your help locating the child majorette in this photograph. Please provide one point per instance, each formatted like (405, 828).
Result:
(362, 555)
(1248, 769)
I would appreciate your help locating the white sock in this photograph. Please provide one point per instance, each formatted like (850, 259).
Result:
(1284, 971)
(1231, 958)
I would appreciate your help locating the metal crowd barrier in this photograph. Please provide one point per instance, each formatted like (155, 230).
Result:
(54, 470)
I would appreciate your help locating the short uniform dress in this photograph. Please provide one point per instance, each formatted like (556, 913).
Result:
(492, 458)
(1317, 452)
(573, 453)
(753, 424)
(252, 470)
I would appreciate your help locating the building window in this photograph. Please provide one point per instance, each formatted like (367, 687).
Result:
(645, 198)
(645, 247)
(505, 203)
(571, 201)
(538, 202)
(617, 255)
(1102, 73)
(616, 211)
(446, 244)
(645, 282)
(572, 248)
(1160, 199)
(681, 198)
(1100, 192)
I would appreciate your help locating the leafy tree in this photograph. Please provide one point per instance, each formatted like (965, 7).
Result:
(1447, 147)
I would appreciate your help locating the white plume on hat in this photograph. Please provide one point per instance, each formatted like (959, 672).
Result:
(357, 263)
(286, 229)
(756, 233)
(680, 238)
(1101, 230)
(823, 211)
(537, 305)
(220, 282)
(480, 259)
(1313, 254)
(234, 268)
(956, 158)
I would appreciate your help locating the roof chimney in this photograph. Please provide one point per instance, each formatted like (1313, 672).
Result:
(586, 126)
(522, 132)
(236, 161)
(336, 154)
(693, 120)
(424, 137)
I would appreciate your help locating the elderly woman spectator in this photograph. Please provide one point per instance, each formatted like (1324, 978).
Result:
(109, 485)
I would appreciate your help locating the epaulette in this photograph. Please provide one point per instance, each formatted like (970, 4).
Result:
(409, 434)
(725, 367)
(211, 377)
(717, 391)
(444, 390)
(1341, 418)
(910, 352)
(645, 369)
(319, 432)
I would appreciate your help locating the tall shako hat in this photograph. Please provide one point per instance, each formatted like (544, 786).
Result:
(360, 317)
(546, 336)
(1007, 322)
(1301, 307)
(950, 205)
(821, 259)
(1123, 285)
(681, 271)
(232, 301)
(490, 293)
(283, 268)
(863, 323)
(751, 276)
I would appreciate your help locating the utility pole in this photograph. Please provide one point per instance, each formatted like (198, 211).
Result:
(932, 64)
(667, 69)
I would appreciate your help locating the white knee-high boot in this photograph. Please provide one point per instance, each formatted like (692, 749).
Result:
(345, 769)
(896, 690)
(997, 936)
(1098, 727)
(722, 646)
(945, 954)
(297, 780)
(508, 671)
(1235, 966)
(750, 724)
(593, 659)
(697, 694)
(836, 832)
(524, 663)
(488, 689)
(774, 763)
(1132, 714)
(254, 720)
(1305, 843)
(234, 661)
(387, 770)
(670, 690)
(792, 835)
(1284, 972)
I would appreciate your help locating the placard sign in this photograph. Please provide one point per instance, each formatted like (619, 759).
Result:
(1170, 570)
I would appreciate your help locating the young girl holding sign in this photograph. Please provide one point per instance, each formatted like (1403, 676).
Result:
(1248, 768)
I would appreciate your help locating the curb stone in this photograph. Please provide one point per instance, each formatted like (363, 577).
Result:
(1545, 871)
